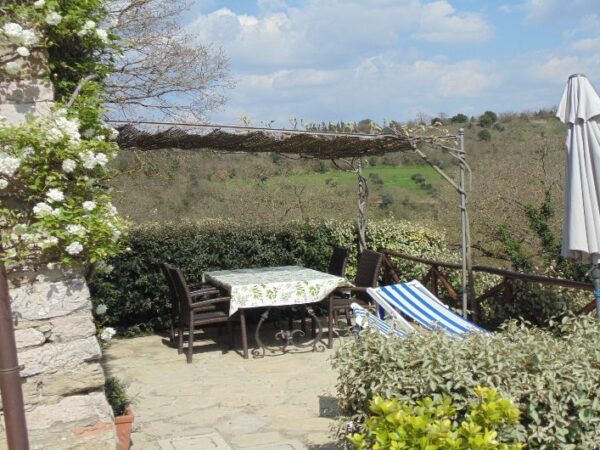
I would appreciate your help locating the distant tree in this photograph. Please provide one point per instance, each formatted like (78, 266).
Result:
(459, 118)
(163, 70)
(487, 119)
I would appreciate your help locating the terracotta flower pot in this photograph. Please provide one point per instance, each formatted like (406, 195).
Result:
(123, 426)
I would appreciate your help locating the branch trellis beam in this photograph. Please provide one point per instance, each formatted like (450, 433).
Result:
(230, 138)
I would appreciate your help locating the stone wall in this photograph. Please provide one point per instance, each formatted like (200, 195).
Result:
(62, 377)
(63, 381)
(27, 94)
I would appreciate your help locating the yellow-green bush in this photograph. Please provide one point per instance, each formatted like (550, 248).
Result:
(135, 292)
(552, 375)
(432, 424)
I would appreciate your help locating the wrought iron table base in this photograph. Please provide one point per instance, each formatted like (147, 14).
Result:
(287, 337)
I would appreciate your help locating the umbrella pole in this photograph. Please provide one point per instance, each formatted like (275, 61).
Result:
(595, 275)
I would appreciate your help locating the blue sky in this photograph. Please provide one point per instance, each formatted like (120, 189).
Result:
(393, 59)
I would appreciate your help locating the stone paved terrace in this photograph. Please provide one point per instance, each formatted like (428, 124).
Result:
(222, 401)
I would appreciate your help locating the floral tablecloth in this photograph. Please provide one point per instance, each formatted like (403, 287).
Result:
(274, 286)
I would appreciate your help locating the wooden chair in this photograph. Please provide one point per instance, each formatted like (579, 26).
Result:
(369, 265)
(337, 263)
(204, 289)
(200, 313)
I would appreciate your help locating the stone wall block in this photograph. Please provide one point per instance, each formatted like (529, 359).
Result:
(76, 422)
(29, 337)
(75, 326)
(53, 357)
(44, 297)
(50, 387)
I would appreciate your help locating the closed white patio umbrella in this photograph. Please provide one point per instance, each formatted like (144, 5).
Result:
(579, 108)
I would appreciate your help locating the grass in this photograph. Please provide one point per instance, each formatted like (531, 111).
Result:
(392, 177)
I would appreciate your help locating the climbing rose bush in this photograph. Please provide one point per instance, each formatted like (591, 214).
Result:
(54, 206)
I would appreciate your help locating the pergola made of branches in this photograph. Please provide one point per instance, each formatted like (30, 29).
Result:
(345, 149)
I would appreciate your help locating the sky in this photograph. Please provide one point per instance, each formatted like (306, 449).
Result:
(332, 60)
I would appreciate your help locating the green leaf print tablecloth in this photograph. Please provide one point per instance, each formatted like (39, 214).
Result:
(274, 286)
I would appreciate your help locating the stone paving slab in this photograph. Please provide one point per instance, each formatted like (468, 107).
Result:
(222, 401)
(212, 440)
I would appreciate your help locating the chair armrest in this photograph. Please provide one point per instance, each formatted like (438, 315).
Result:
(205, 291)
(351, 289)
(211, 301)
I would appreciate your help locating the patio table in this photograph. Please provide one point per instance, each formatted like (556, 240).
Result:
(275, 287)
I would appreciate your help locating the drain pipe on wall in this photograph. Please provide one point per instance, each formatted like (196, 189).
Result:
(10, 380)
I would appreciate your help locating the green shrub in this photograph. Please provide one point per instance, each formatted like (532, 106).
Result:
(484, 135)
(487, 119)
(135, 292)
(375, 178)
(432, 424)
(459, 118)
(116, 396)
(552, 375)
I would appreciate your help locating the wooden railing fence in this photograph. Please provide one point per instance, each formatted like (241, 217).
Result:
(437, 281)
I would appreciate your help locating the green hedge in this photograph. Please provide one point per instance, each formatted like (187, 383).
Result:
(135, 292)
(552, 374)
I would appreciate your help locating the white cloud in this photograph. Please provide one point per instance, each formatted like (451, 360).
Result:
(318, 31)
(585, 45)
(558, 10)
(441, 23)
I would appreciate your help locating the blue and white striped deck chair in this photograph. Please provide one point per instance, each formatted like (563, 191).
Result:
(414, 301)
(364, 319)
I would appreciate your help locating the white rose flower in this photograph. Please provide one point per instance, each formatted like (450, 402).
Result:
(3, 184)
(39, 3)
(107, 334)
(89, 24)
(19, 229)
(76, 229)
(102, 35)
(23, 51)
(54, 135)
(8, 164)
(13, 31)
(28, 37)
(68, 165)
(60, 112)
(57, 212)
(49, 242)
(69, 127)
(101, 309)
(89, 133)
(42, 209)
(101, 159)
(74, 248)
(113, 133)
(53, 18)
(112, 209)
(12, 67)
(55, 195)
(89, 159)
(51, 266)
(89, 205)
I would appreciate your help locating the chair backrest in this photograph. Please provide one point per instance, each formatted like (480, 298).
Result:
(337, 263)
(181, 288)
(413, 300)
(164, 267)
(367, 271)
